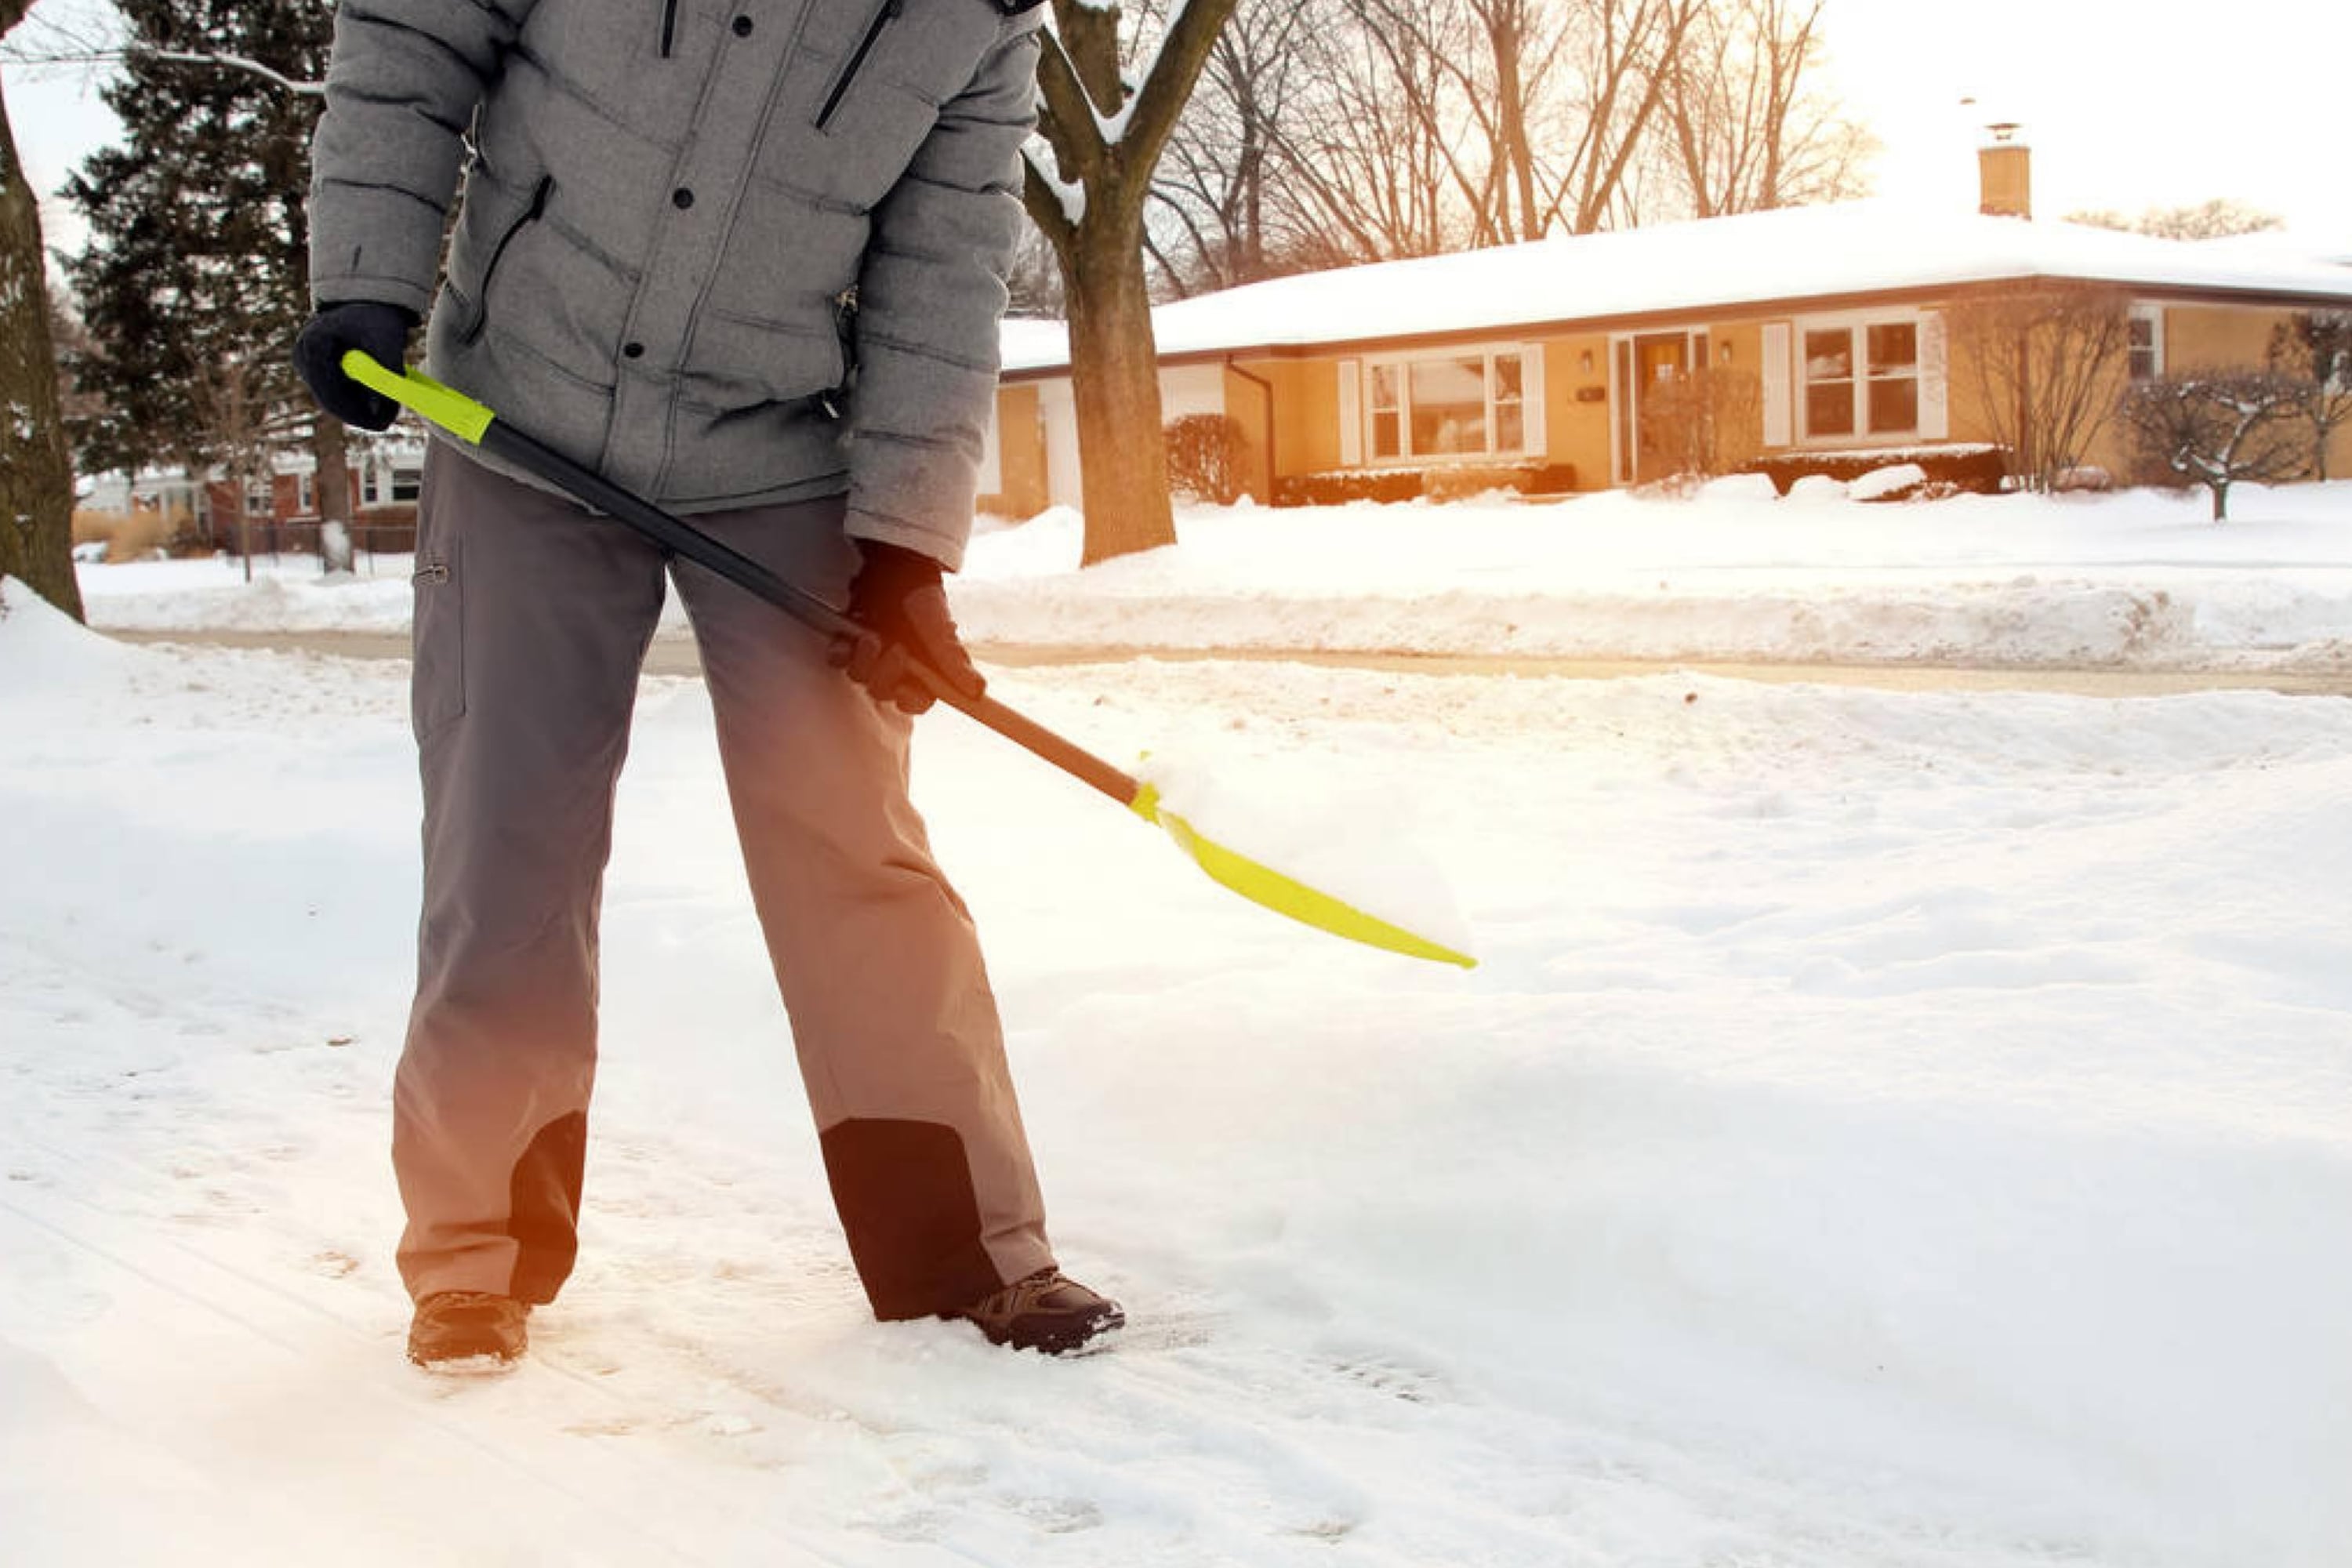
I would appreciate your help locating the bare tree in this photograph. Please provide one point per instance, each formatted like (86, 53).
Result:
(2221, 427)
(2215, 219)
(1542, 105)
(1086, 191)
(1624, 53)
(1214, 224)
(1371, 165)
(2313, 350)
(1702, 423)
(36, 473)
(1034, 283)
(1746, 128)
(1410, 127)
(2043, 365)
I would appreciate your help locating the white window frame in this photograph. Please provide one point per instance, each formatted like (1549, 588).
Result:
(1529, 402)
(1856, 324)
(2151, 317)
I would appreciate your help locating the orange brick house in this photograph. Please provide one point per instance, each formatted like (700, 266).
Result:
(1553, 363)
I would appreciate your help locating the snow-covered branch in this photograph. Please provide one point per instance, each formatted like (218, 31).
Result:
(71, 56)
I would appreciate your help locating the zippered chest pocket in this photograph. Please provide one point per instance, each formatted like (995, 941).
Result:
(535, 209)
(885, 15)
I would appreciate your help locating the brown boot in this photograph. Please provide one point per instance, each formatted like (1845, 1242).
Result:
(1045, 1313)
(468, 1331)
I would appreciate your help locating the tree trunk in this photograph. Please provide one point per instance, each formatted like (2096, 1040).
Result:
(333, 483)
(1099, 243)
(36, 471)
(1115, 377)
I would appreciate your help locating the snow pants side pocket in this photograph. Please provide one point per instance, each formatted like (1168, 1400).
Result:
(437, 688)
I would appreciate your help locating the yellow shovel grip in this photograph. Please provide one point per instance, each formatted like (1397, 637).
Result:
(452, 410)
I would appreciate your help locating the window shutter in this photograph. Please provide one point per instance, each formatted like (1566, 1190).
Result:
(1352, 413)
(1531, 397)
(1777, 431)
(1935, 379)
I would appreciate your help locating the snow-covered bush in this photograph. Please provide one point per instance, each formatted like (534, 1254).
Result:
(2218, 428)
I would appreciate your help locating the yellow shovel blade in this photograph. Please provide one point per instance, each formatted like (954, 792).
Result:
(1262, 884)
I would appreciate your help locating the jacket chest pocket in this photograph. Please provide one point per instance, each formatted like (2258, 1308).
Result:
(881, 71)
(860, 53)
(500, 239)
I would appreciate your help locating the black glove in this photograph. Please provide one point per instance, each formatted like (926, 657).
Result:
(379, 331)
(897, 600)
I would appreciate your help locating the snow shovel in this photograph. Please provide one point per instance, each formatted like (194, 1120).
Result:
(478, 426)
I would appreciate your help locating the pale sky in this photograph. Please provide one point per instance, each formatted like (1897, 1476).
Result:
(2164, 103)
(2160, 103)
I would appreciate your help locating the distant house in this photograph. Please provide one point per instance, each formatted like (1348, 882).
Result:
(281, 511)
(1570, 364)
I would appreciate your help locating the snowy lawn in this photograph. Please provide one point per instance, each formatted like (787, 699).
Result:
(2138, 579)
(1886, 1128)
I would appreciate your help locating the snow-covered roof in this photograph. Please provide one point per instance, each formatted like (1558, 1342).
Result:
(2285, 245)
(1795, 254)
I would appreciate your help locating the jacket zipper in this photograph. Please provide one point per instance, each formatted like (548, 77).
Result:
(891, 10)
(670, 26)
(435, 570)
(531, 215)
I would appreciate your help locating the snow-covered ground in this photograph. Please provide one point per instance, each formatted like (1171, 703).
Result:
(1886, 1129)
(2138, 579)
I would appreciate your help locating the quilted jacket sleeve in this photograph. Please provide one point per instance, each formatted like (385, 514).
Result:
(931, 295)
(402, 85)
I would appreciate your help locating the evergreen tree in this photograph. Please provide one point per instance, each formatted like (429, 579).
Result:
(36, 480)
(195, 279)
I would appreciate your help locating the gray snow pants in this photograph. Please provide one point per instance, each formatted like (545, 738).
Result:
(533, 620)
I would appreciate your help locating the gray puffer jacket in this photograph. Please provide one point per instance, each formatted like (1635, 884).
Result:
(725, 252)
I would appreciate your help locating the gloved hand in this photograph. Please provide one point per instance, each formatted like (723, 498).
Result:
(378, 330)
(902, 611)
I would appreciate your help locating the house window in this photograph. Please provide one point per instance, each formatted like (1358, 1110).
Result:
(2145, 343)
(1829, 383)
(1863, 379)
(1447, 406)
(407, 482)
(305, 496)
(1387, 412)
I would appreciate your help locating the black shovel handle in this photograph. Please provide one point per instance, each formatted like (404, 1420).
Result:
(681, 538)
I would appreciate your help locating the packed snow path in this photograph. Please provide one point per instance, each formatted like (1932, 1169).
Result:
(1887, 1128)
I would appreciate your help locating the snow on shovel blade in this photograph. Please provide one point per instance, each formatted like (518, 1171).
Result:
(1262, 884)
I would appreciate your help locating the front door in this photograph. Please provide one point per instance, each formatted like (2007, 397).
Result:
(1660, 360)
(1648, 402)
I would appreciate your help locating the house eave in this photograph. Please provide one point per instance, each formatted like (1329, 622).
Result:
(1728, 313)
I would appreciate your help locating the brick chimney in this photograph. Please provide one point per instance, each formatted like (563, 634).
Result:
(2004, 174)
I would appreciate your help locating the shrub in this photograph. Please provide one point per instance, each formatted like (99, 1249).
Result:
(1448, 482)
(130, 535)
(1205, 453)
(2220, 427)
(1978, 467)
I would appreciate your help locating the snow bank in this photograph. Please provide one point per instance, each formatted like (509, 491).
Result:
(2133, 580)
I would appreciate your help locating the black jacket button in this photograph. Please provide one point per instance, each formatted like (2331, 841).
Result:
(742, 26)
(681, 198)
